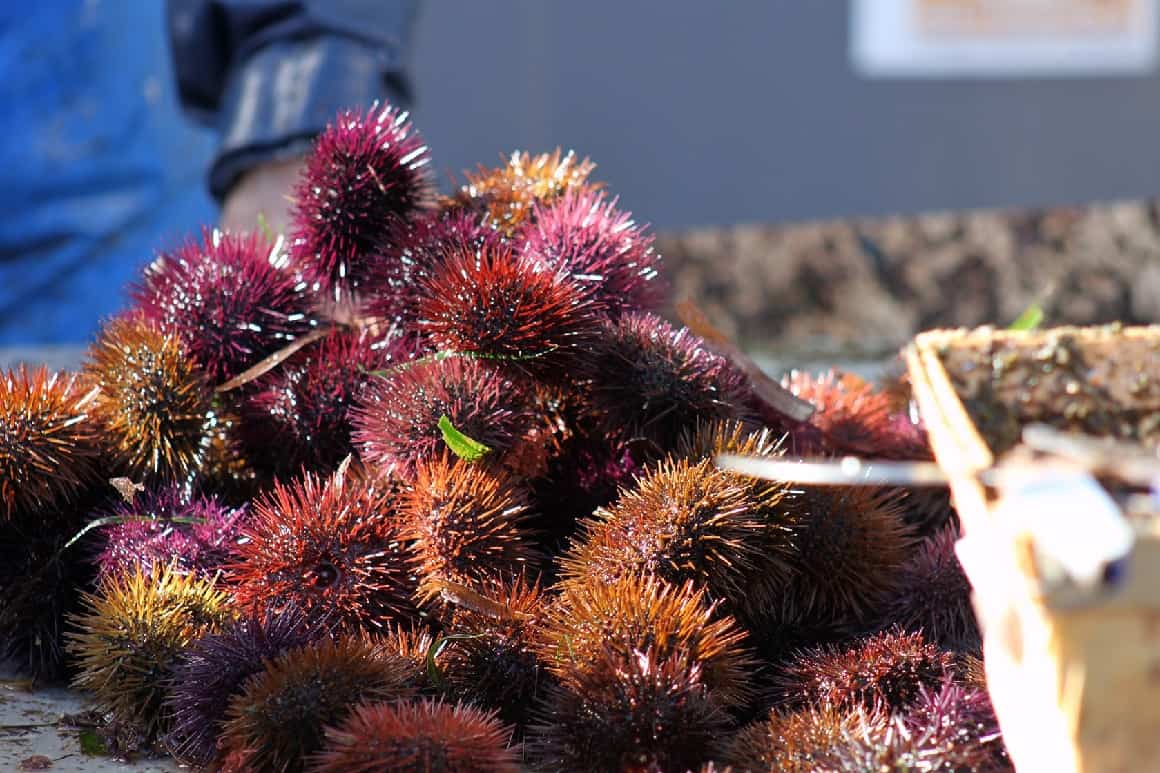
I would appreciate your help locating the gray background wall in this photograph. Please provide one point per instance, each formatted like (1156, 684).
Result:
(705, 113)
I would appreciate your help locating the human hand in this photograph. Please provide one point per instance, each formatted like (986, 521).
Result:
(262, 194)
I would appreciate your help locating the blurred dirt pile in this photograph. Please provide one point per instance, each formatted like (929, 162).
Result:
(864, 287)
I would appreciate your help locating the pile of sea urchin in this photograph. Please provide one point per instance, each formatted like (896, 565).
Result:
(429, 485)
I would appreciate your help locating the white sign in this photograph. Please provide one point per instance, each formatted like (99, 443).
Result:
(999, 38)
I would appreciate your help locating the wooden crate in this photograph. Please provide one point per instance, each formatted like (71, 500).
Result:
(1074, 674)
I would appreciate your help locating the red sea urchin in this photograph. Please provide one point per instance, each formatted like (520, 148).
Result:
(500, 305)
(278, 717)
(417, 736)
(47, 440)
(414, 249)
(602, 248)
(687, 520)
(659, 381)
(230, 298)
(155, 404)
(632, 711)
(366, 172)
(466, 523)
(798, 742)
(634, 613)
(397, 425)
(887, 669)
(332, 548)
(300, 415)
(170, 527)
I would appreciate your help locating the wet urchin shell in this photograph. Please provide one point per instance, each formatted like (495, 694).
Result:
(888, 669)
(215, 667)
(130, 638)
(331, 547)
(231, 299)
(634, 613)
(934, 596)
(47, 440)
(633, 710)
(500, 305)
(397, 424)
(490, 659)
(466, 523)
(657, 382)
(852, 542)
(688, 520)
(169, 526)
(300, 415)
(366, 172)
(505, 195)
(279, 716)
(155, 405)
(417, 735)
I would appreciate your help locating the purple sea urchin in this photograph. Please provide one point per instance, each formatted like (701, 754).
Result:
(420, 735)
(934, 596)
(47, 440)
(366, 172)
(129, 640)
(214, 669)
(231, 299)
(490, 659)
(852, 543)
(332, 547)
(466, 523)
(278, 717)
(602, 248)
(170, 527)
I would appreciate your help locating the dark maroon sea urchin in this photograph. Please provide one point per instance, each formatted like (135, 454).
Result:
(366, 172)
(231, 299)
(299, 416)
(659, 381)
(603, 249)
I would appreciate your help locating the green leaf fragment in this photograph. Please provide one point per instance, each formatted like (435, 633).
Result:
(1030, 319)
(461, 445)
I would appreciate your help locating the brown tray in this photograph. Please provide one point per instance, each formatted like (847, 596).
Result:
(1075, 676)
